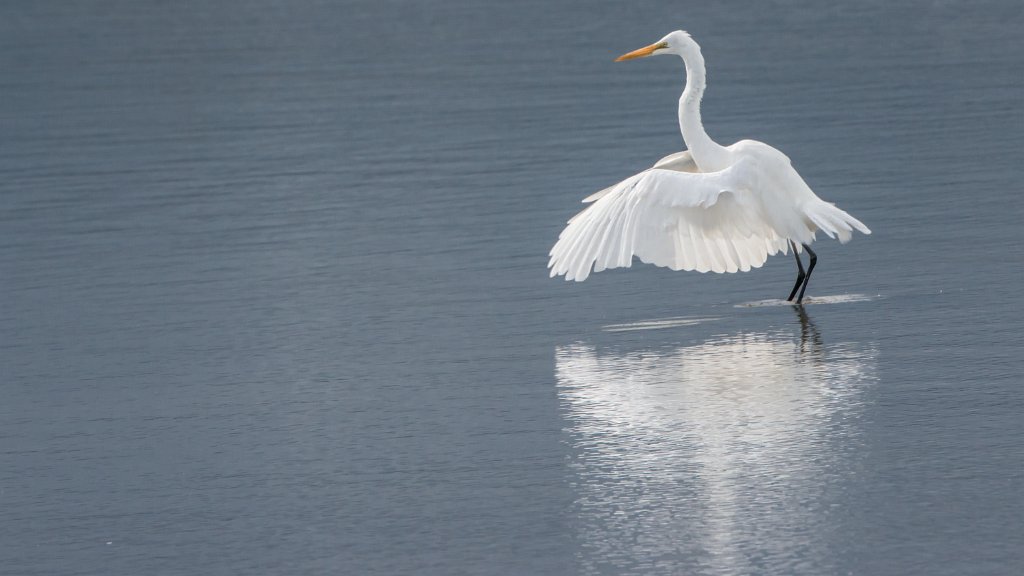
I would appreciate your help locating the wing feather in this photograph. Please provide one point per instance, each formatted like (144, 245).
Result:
(680, 162)
(674, 218)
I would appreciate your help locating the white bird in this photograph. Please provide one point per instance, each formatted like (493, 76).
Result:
(709, 208)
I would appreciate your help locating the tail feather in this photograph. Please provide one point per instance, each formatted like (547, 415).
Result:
(835, 223)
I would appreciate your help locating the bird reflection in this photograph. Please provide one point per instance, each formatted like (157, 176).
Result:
(810, 338)
(722, 457)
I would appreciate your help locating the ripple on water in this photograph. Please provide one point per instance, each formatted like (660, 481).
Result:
(833, 299)
(658, 324)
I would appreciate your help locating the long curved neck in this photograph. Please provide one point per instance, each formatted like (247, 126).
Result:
(708, 154)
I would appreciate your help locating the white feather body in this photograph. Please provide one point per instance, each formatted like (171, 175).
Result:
(725, 221)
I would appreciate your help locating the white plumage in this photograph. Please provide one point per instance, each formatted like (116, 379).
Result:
(710, 208)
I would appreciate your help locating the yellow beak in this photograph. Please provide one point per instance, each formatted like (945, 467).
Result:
(645, 51)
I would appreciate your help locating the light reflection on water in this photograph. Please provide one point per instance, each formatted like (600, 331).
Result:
(722, 457)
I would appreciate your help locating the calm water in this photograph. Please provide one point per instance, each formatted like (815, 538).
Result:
(275, 298)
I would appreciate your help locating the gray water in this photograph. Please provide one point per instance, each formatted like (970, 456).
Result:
(275, 299)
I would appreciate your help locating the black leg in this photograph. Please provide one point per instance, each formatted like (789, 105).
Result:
(810, 268)
(800, 274)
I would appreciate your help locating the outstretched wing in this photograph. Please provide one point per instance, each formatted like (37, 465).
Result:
(677, 219)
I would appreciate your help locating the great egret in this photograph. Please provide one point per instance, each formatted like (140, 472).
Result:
(709, 208)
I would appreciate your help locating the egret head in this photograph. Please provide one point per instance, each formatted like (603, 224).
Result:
(678, 43)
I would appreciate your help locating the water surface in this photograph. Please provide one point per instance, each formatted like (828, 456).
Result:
(275, 298)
